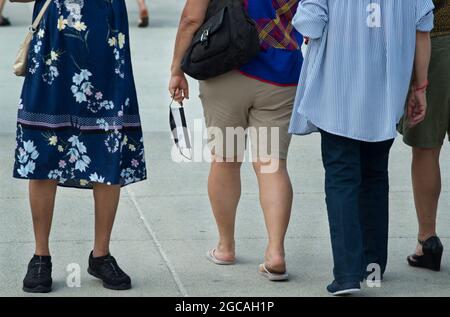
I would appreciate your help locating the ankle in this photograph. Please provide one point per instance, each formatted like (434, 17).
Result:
(275, 256)
(424, 236)
(226, 247)
(100, 253)
(42, 252)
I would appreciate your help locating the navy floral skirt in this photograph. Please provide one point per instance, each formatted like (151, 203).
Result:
(78, 120)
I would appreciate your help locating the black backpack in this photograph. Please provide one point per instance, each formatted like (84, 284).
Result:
(226, 41)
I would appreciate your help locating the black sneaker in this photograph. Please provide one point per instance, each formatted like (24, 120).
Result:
(106, 269)
(341, 289)
(4, 21)
(39, 275)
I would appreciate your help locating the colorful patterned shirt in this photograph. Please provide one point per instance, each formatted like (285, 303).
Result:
(280, 59)
(442, 19)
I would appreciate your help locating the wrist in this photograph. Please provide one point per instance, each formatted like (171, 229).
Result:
(422, 86)
(176, 71)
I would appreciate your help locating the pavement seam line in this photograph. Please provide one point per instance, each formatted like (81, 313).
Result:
(158, 245)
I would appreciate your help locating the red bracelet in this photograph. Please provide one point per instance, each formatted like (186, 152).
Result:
(422, 88)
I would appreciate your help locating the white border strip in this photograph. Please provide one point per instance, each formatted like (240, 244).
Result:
(158, 245)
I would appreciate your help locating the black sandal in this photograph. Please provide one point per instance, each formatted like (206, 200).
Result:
(432, 254)
(144, 19)
(5, 22)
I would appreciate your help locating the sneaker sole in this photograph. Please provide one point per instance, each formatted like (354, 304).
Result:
(346, 292)
(37, 289)
(121, 287)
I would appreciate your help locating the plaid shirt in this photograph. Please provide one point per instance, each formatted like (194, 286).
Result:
(279, 32)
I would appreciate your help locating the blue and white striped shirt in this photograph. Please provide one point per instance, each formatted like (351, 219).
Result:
(358, 66)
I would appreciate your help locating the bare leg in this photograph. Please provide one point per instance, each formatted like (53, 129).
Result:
(276, 194)
(106, 203)
(224, 189)
(142, 5)
(2, 5)
(426, 178)
(42, 202)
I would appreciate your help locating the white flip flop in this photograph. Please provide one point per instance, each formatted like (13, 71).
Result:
(210, 255)
(274, 277)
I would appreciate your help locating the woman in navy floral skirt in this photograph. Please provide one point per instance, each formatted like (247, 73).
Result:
(79, 125)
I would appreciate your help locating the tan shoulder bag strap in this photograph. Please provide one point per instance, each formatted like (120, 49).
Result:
(39, 17)
(20, 65)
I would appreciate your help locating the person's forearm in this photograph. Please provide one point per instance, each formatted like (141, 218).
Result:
(422, 58)
(186, 31)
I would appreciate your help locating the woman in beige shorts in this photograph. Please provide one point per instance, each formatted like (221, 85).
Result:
(258, 99)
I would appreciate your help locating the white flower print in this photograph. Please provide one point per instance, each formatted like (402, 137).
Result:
(112, 41)
(49, 61)
(128, 175)
(70, 21)
(82, 76)
(41, 33)
(30, 149)
(137, 171)
(103, 124)
(87, 87)
(55, 174)
(82, 164)
(96, 178)
(54, 56)
(113, 141)
(27, 155)
(62, 23)
(74, 8)
(37, 47)
(121, 40)
(117, 41)
(84, 92)
(53, 140)
(34, 65)
(74, 140)
(77, 155)
(80, 97)
(76, 159)
(36, 58)
(51, 74)
(80, 26)
(27, 169)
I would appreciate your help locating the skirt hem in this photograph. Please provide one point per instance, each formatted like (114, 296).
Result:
(73, 182)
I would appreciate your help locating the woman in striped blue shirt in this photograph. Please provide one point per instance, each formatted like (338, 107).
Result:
(352, 90)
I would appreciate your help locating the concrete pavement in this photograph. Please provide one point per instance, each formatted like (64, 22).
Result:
(165, 226)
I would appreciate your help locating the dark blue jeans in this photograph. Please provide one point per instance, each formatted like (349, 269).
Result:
(357, 197)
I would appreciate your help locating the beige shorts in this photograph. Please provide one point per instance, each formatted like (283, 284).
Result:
(235, 106)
